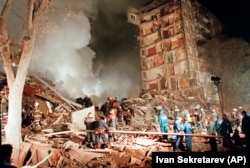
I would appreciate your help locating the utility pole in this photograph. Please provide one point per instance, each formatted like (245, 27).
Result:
(216, 81)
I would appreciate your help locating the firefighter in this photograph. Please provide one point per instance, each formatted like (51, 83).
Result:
(100, 128)
(111, 121)
(163, 121)
(120, 114)
(127, 117)
(88, 121)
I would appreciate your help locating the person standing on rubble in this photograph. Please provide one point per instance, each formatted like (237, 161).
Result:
(187, 128)
(163, 121)
(87, 102)
(105, 108)
(176, 111)
(245, 128)
(111, 121)
(120, 114)
(218, 127)
(234, 117)
(214, 115)
(211, 130)
(226, 130)
(127, 117)
(178, 130)
(99, 131)
(89, 121)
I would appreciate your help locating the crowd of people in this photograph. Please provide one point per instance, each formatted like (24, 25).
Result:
(102, 123)
(223, 130)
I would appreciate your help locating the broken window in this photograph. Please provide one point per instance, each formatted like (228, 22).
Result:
(184, 12)
(151, 51)
(186, 24)
(144, 65)
(153, 86)
(174, 83)
(132, 17)
(143, 52)
(162, 12)
(174, 43)
(165, 34)
(144, 75)
(154, 17)
(187, 36)
(141, 31)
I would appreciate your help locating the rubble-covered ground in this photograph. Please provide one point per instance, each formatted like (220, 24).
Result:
(54, 133)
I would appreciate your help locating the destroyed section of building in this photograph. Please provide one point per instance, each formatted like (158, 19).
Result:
(53, 129)
(170, 32)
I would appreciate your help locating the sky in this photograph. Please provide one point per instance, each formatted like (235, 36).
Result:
(233, 14)
(92, 50)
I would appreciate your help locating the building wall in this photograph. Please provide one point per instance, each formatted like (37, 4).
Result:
(169, 33)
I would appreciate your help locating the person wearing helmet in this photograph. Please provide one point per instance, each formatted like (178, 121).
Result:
(100, 131)
(211, 130)
(187, 129)
(88, 121)
(163, 122)
(178, 126)
(127, 117)
(111, 121)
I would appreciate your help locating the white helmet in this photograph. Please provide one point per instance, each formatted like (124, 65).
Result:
(112, 111)
(90, 115)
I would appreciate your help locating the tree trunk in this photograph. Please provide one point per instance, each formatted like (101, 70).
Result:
(16, 81)
(13, 127)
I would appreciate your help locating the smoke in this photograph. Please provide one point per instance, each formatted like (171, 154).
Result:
(91, 50)
(84, 47)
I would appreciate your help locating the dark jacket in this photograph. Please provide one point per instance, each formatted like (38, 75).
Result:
(226, 127)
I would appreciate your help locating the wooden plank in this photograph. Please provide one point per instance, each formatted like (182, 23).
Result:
(23, 153)
(52, 100)
(160, 133)
(58, 133)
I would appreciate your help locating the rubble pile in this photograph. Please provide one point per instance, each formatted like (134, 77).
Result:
(54, 124)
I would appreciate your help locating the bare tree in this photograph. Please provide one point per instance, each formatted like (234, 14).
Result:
(16, 78)
(229, 59)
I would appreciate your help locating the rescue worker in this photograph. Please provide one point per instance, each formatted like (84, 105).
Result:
(120, 114)
(88, 121)
(99, 132)
(211, 130)
(176, 111)
(218, 127)
(111, 121)
(87, 102)
(178, 129)
(127, 117)
(203, 119)
(105, 108)
(163, 121)
(214, 115)
(187, 128)
(245, 128)
(226, 130)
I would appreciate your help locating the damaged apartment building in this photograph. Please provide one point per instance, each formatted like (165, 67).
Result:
(170, 32)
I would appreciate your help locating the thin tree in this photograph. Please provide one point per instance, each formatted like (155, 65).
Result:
(229, 59)
(16, 77)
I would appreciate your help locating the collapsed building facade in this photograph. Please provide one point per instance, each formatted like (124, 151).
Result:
(170, 32)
